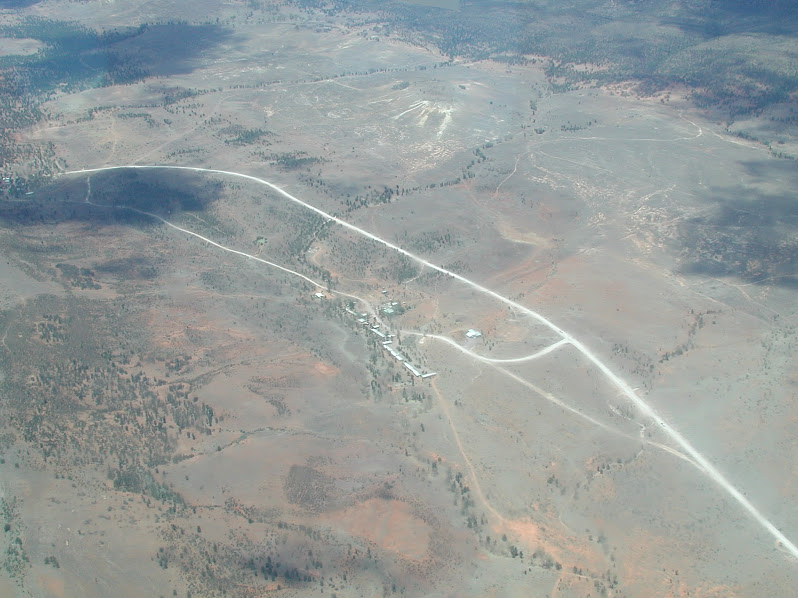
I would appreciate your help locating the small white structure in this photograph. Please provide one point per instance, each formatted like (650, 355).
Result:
(410, 367)
(378, 333)
(429, 374)
(473, 333)
(318, 295)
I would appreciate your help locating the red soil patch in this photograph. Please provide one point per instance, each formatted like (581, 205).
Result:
(325, 369)
(389, 524)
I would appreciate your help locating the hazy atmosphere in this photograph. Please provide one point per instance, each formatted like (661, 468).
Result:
(429, 298)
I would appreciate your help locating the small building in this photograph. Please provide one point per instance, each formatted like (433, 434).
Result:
(378, 333)
(410, 367)
(473, 333)
(429, 374)
(318, 295)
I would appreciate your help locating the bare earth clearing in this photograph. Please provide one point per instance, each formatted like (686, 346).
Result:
(185, 418)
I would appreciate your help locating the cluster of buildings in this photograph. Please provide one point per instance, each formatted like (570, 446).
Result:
(386, 338)
(373, 324)
(391, 308)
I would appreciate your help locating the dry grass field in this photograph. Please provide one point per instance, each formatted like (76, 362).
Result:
(177, 419)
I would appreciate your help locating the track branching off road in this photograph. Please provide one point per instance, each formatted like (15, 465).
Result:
(624, 388)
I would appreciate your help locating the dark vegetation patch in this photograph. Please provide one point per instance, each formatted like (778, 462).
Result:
(238, 135)
(290, 160)
(130, 268)
(137, 479)
(296, 558)
(272, 396)
(82, 278)
(400, 268)
(655, 44)
(75, 394)
(308, 488)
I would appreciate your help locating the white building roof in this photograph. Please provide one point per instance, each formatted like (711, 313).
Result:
(397, 356)
(410, 367)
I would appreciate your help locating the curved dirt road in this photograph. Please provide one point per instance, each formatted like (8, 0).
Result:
(708, 468)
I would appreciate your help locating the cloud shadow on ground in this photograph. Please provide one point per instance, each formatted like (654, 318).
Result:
(118, 194)
(750, 234)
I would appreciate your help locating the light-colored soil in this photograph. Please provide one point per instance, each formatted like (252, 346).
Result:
(323, 452)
